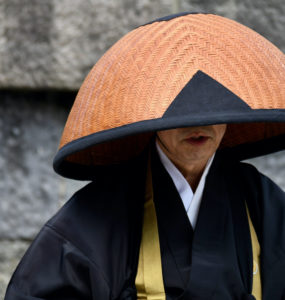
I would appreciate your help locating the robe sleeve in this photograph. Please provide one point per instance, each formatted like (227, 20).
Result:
(273, 215)
(267, 206)
(53, 268)
(273, 239)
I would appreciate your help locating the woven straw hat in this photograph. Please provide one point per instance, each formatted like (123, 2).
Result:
(177, 71)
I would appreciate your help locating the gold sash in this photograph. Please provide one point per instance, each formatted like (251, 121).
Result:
(149, 279)
(256, 283)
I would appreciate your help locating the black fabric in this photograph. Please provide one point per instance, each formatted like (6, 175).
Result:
(211, 103)
(270, 223)
(216, 258)
(175, 230)
(89, 250)
(259, 148)
(211, 268)
(171, 17)
(204, 95)
(72, 170)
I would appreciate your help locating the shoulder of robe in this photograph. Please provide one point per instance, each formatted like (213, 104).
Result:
(100, 210)
(250, 176)
(94, 231)
(53, 268)
(260, 184)
(105, 215)
(266, 203)
(261, 194)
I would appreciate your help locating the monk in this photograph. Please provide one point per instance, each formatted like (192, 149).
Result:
(160, 127)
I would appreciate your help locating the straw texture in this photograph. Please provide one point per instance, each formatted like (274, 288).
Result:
(141, 75)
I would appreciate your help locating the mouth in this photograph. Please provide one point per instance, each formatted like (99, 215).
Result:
(197, 139)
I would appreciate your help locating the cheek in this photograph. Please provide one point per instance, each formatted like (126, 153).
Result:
(169, 141)
(167, 138)
(162, 137)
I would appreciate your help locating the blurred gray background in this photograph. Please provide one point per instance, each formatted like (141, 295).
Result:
(47, 48)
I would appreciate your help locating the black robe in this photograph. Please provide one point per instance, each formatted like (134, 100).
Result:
(89, 249)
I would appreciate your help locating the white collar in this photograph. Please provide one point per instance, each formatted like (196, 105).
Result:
(191, 201)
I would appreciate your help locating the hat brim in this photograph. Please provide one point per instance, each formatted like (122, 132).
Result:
(189, 70)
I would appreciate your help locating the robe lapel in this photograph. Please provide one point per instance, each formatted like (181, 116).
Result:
(266, 205)
(239, 200)
(175, 230)
(215, 272)
(214, 261)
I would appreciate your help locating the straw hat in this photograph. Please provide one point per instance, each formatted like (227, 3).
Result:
(177, 71)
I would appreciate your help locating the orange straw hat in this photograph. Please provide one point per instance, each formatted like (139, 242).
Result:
(181, 70)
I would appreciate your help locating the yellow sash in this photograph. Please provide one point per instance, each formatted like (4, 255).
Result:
(256, 283)
(149, 279)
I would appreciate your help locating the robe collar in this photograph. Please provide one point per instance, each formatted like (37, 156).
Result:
(191, 201)
(219, 250)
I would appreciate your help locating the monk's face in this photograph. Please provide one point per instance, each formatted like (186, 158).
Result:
(191, 145)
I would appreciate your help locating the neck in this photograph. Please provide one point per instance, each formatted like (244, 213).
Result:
(192, 171)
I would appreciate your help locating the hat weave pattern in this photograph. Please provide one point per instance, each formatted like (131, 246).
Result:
(139, 77)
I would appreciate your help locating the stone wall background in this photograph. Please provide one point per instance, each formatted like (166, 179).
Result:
(47, 48)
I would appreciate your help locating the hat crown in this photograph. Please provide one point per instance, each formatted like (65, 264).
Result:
(139, 78)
